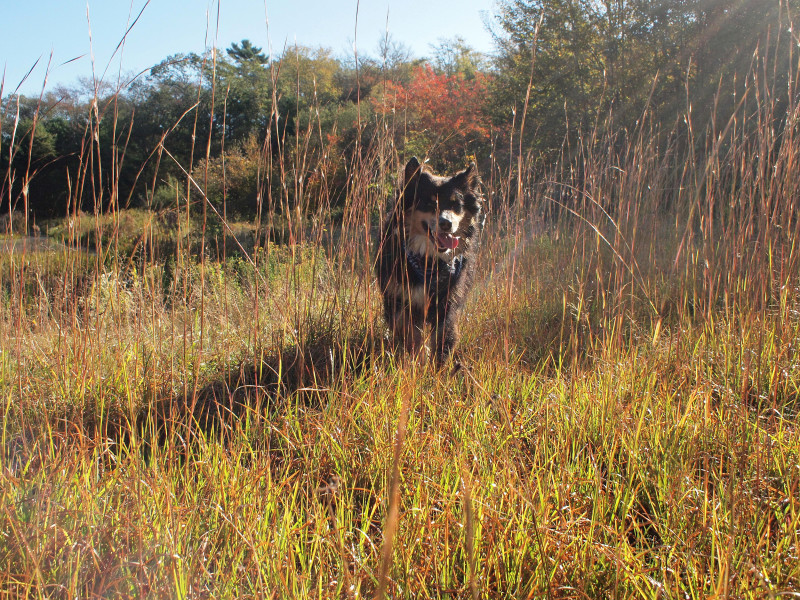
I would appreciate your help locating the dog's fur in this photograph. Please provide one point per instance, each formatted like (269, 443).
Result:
(426, 256)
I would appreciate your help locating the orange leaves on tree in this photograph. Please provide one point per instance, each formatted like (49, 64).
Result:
(443, 106)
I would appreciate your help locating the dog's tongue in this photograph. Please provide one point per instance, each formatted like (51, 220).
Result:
(445, 240)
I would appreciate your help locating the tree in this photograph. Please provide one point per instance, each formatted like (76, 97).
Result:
(245, 90)
(563, 60)
(595, 58)
(445, 114)
(246, 53)
(454, 55)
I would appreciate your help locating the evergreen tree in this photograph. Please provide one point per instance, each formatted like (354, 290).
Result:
(247, 53)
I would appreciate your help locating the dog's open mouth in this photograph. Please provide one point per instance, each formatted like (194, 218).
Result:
(443, 241)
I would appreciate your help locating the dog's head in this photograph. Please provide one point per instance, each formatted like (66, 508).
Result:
(440, 214)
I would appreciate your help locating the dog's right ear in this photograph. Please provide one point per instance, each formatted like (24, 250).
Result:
(412, 171)
(468, 179)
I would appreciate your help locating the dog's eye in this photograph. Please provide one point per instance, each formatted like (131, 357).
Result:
(455, 203)
(454, 207)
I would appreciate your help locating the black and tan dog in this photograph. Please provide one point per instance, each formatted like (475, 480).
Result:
(426, 256)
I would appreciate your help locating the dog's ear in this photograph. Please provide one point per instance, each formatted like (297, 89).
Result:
(412, 171)
(468, 179)
(411, 182)
(468, 182)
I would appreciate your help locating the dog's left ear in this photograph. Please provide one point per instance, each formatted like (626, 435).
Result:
(468, 179)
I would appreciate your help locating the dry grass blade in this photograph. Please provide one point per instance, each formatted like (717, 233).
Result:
(393, 514)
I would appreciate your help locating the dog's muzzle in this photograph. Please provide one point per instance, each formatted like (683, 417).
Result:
(442, 237)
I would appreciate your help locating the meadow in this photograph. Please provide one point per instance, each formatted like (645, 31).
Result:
(197, 406)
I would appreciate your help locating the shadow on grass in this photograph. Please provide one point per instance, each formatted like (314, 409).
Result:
(298, 374)
(261, 390)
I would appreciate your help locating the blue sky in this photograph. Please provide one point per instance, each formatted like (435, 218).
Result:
(32, 30)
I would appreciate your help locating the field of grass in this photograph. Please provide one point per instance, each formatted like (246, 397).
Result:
(178, 421)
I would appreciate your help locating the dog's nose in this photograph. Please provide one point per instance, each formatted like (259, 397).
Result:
(444, 224)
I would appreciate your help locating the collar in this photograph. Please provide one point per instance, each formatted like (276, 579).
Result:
(429, 269)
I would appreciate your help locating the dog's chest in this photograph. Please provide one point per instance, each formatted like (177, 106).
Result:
(429, 281)
(434, 274)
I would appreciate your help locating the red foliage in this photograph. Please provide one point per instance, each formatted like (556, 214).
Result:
(443, 106)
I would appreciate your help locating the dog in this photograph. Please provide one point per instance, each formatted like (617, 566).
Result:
(426, 257)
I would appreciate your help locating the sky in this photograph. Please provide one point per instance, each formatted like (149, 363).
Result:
(81, 44)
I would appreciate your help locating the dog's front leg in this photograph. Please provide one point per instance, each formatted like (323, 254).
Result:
(415, 343)
(408, 330)
(446, 328)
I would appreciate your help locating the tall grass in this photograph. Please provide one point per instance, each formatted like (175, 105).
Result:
(183, 422)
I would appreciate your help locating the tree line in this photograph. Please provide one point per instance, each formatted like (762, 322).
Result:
(234, 119)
